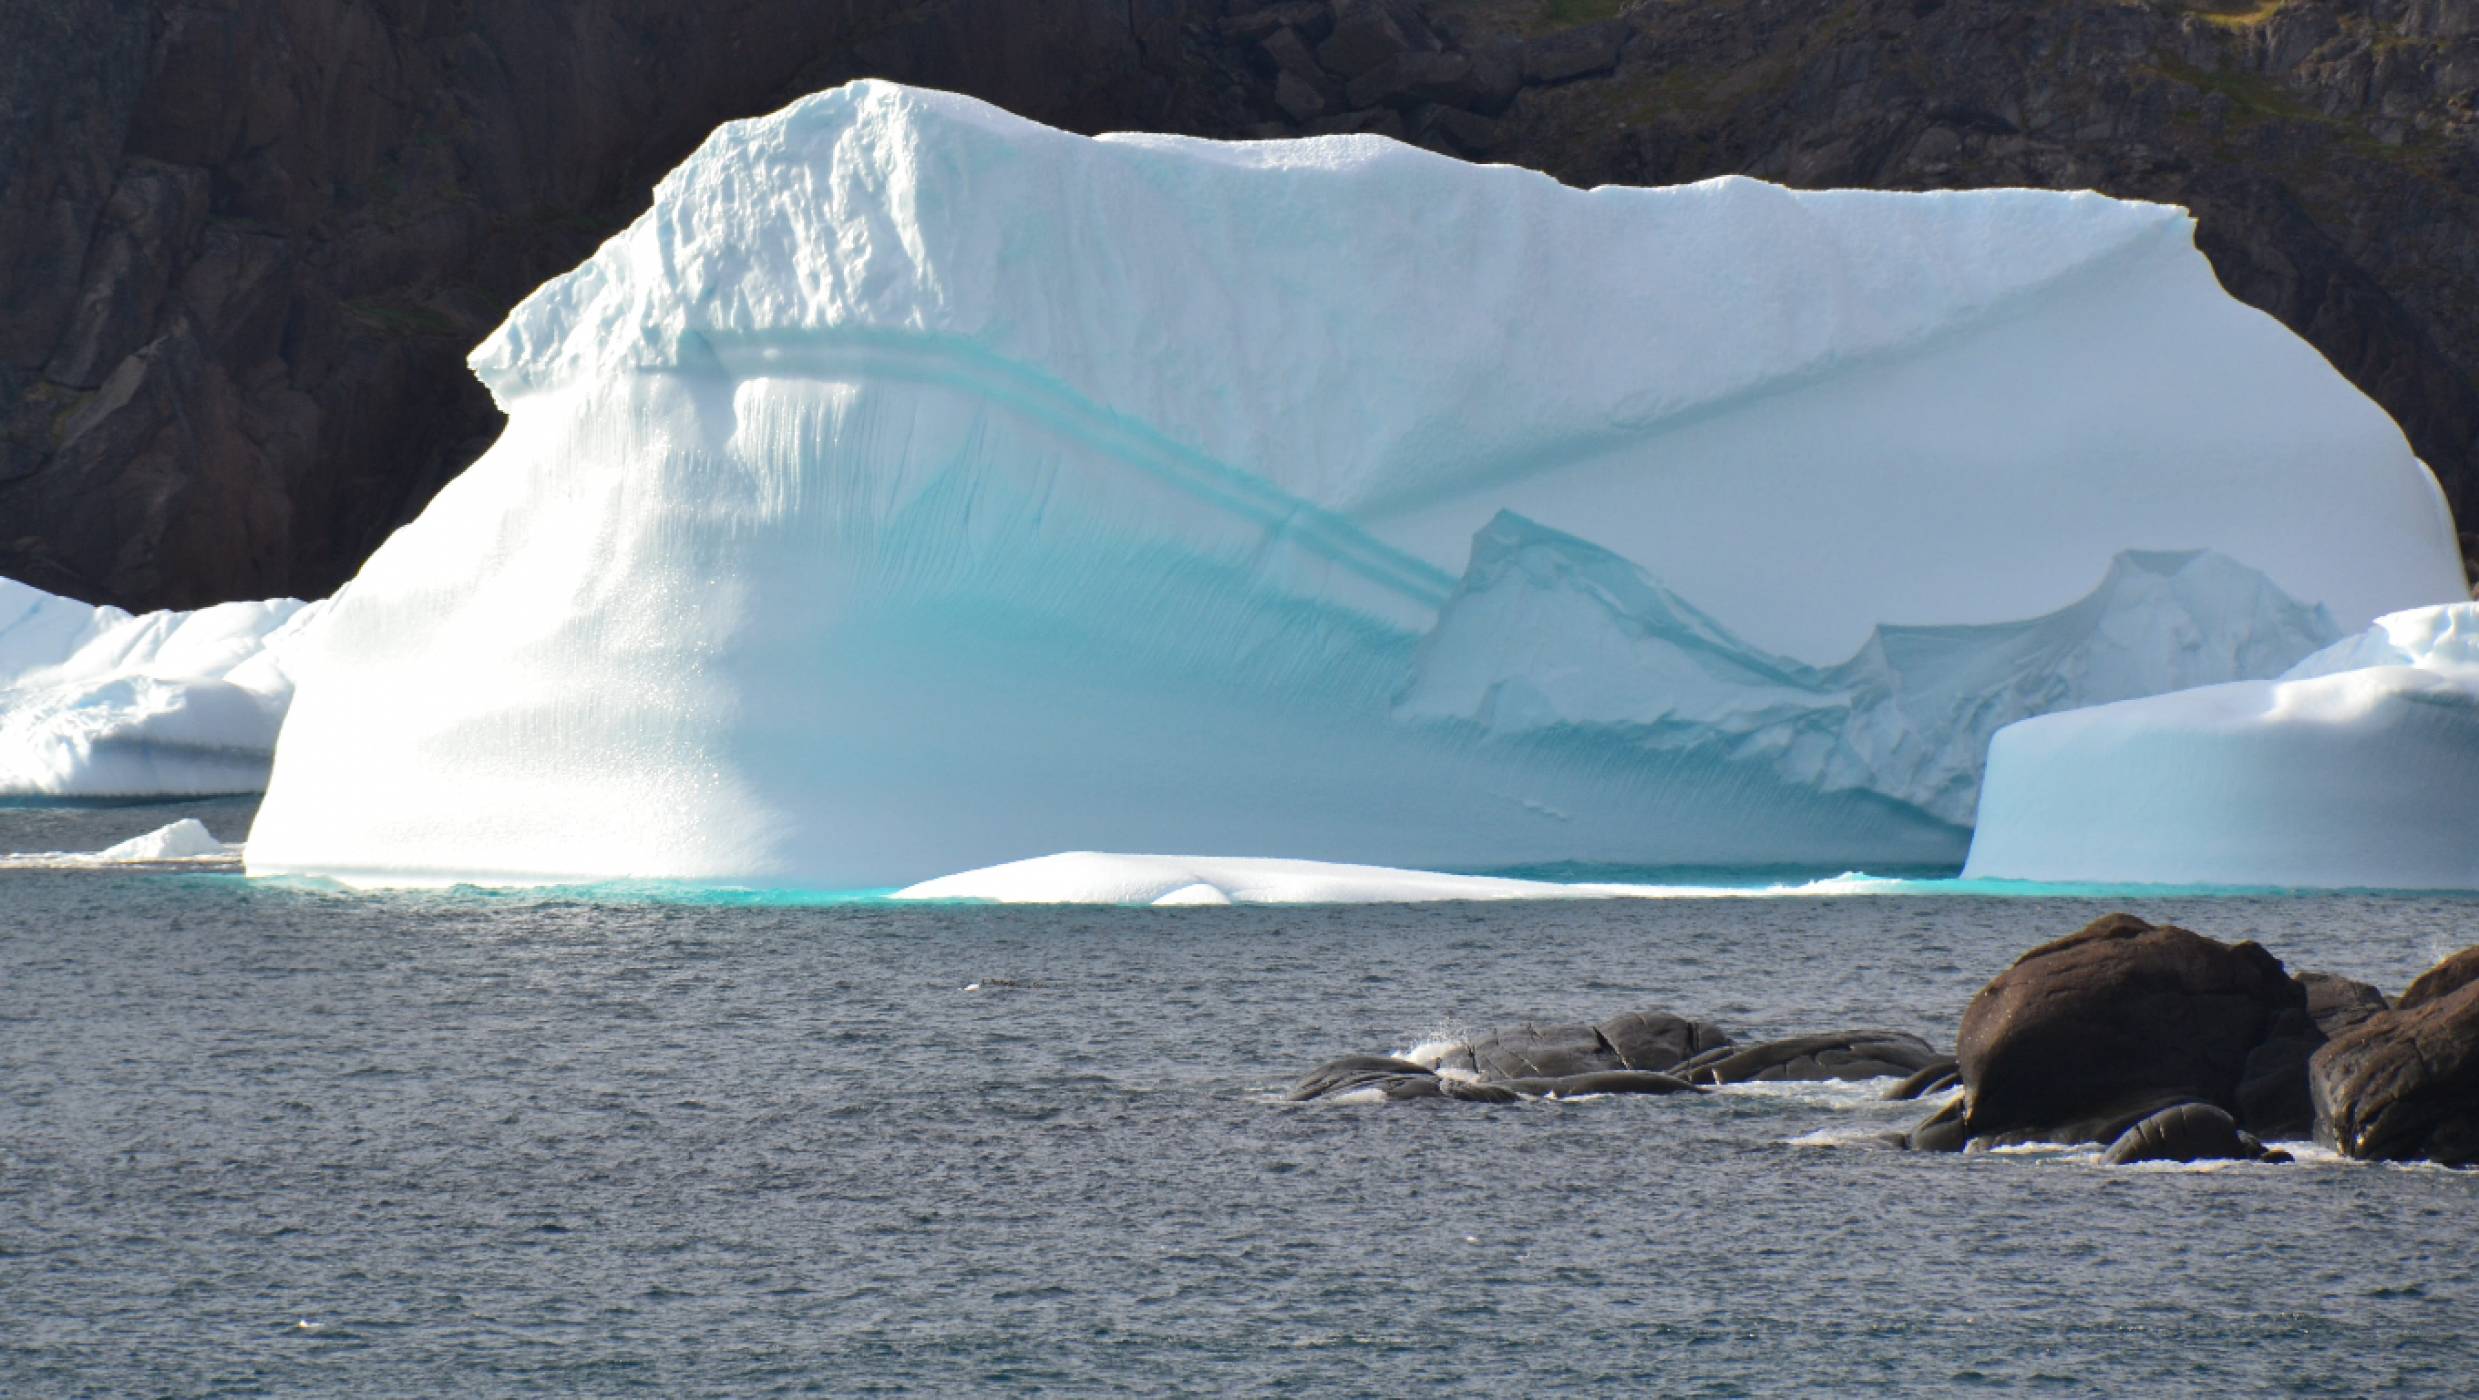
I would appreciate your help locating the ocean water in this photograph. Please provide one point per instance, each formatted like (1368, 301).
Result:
(272, 1141)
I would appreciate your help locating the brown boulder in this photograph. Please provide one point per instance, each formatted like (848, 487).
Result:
(2272, 1093)
(2083, 1037)
(2442, 980)
(2404, 1086)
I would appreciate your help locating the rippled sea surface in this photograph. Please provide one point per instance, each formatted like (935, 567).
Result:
(259, 1140)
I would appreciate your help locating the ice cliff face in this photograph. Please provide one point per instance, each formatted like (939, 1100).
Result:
(2358, 768)
(97, 703)
(914, 488)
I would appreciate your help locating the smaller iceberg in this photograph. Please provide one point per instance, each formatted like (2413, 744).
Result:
(185, 842)
(95, 702)
(2356, 769)
(1094, 877)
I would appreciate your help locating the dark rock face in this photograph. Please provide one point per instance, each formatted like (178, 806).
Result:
(2404, 1085)
(245, 244)
(2190, 1132)
(2087, 1035)
(2272, 1090)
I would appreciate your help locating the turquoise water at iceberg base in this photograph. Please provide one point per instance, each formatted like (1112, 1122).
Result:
(266, 1140)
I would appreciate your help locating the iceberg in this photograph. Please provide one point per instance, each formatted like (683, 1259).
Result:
(1097, 877)
(914, 488)
(186, 842)
(2357, 769)
(95, 702)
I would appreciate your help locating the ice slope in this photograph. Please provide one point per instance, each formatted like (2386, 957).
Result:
(2359, 768)
(97, 703)
(1548, 633)
(913, 487)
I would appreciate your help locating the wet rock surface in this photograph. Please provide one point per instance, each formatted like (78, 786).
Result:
(246, 245)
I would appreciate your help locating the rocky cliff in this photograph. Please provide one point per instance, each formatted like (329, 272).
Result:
(244, 244)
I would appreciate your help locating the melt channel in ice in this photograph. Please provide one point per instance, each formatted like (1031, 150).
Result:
(914, 488)
(2359, 768)
(95, 702)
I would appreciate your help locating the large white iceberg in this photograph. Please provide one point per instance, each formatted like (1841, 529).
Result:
(913, 487)
(2357, 769)
(95, 702)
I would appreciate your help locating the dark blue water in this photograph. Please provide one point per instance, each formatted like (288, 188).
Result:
(265, 1141)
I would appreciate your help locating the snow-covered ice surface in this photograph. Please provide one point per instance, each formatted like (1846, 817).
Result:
(1095, 877)
(95, 702)
(914, 488)
(2359, 768)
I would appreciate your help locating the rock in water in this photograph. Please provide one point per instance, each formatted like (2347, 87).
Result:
(1392, 1077)
(2084, 1036)
(1935, 1077)
(2404, 1085)
(913, 488)
(1834, 1055)
(1639, 1041)
(2189, 1132)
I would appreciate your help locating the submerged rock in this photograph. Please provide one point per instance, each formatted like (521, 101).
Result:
(1636, 1040)
(1941, 1131)
(1936, 1077)
(1401, 1080)
(1608, 1081)
(2189, 1132)
(1845, 1055)
(1637, 1052)
(1342, 1076)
